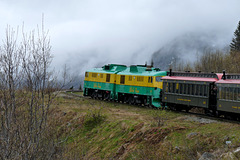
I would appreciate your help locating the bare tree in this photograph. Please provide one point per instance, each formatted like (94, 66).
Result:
(209, 61)
(26, 92)
(10, 80)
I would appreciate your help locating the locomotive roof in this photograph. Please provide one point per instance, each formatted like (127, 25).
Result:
(230, 78)
(110, 68)
(132, 70)
(143, 71)
(193, 76)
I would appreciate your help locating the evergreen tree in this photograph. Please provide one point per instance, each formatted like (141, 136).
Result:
(235, 45)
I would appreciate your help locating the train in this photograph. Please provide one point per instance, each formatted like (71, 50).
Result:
(217, 94)
(135, 84)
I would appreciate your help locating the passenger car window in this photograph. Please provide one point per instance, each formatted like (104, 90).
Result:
(223, 93)
(195, 89)
(200, 90)
(166, 87)
(219, 92)
(174, 88)
(170, 87)
(185, 88)
(181, 88)
(189, 89)
(238, 94)
(231, 93)
(192, 89)
(204, 90)
(235, 94)
(226, 93)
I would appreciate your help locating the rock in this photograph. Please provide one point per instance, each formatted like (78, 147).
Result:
(237, 150)
(228, 155)
(121, 150)
(191, 135)
(228, 143)
(207, 156)
(200, 120)
(176, 149)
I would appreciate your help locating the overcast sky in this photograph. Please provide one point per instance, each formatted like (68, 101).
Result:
(93, 32)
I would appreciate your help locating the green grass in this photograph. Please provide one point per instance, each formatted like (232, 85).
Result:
(99, 129)
(78, 93)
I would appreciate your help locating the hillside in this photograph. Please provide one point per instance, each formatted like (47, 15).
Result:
(93, 129)
(186, 48)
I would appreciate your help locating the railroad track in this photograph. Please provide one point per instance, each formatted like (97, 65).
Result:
(209, 117)
(200, 115)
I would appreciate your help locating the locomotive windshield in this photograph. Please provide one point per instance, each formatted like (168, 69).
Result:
(158, 79)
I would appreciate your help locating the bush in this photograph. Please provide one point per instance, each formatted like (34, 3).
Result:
(94, 118)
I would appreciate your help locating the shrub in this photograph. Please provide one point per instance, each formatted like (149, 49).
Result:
(94, 118)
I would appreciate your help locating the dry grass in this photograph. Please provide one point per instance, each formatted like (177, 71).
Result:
(133, 132)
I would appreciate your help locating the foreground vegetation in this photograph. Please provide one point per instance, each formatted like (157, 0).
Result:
(91, 129)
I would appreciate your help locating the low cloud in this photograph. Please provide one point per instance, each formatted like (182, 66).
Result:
(90, 33)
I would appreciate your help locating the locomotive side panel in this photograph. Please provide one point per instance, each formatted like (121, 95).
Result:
(100, 82)
(140, 85)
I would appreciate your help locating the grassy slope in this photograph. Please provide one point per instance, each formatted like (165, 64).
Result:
(93, 129)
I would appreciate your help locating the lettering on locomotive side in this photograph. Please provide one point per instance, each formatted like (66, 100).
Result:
(136, 90)
(185, 100)
(97, 85)
(133, 90)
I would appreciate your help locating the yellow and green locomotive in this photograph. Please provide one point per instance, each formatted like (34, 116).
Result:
(136, 84)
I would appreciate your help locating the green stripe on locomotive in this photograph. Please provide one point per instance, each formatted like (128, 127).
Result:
(99, 86)
(150, 92)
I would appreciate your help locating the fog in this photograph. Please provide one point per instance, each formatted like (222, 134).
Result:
(89, 33)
